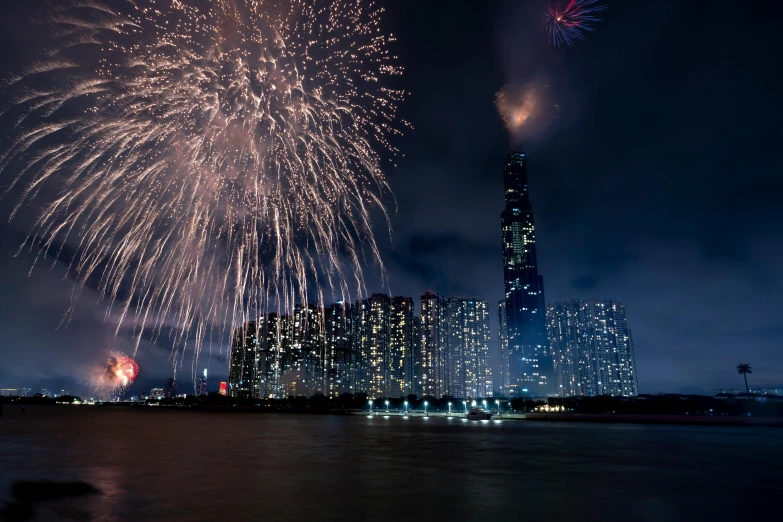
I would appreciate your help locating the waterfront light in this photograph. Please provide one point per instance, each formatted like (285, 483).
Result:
(485, 404)
(466, 406)
(387, 406)
(425, 407)
(370, 401)
(406, 406)
(449, 408)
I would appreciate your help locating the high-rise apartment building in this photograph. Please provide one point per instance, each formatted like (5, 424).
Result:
(433, 335)
(244, 380)
(276, 338)
(503, 381)
(309, 348)
(375, 320)
(342, 357)
(592, 348)
(528, 348)
(415, 366)
(470, 362)
(401, 331)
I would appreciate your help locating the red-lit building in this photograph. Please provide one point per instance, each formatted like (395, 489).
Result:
(223, 388)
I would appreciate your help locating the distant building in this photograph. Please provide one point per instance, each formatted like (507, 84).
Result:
(25, 392)
(201, 384)
(223, 390)
(171, 388)
(45, 392)
(592, 348)
(528, 349)
(244, 381)
(742, 391)
(157, 393)
(9, 392)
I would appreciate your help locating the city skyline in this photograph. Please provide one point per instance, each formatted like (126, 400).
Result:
(374, 346)
(626, 208)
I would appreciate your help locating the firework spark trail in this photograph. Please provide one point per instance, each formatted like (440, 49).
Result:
(568, 21)
(112, 380)
(217, 157)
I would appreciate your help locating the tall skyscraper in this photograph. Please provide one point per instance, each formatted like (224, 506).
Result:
(592, 348)
(400, 347)
(528, 348)
(243, 376)
(503, 381)
(434, 356)
(470, 363)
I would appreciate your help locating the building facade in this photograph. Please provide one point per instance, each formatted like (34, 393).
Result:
(415, 366)
(341, 345)
(276, 338)
(401, 344)
(433, 341)
(309, 347)
(592, 348)
(244, 379)
(503, 381)
(375, 344)
(470, 362)
(528, 349)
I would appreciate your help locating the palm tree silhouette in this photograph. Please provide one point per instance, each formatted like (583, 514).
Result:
(744, 370)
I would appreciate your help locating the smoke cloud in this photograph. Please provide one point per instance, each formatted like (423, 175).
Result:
(526, 110)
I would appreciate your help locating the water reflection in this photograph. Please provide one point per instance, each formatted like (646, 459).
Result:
(177, 465)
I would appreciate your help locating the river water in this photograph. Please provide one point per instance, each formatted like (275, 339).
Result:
(159, 464)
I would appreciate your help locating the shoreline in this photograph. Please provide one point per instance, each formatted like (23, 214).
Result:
(638, 418)
(605, 418)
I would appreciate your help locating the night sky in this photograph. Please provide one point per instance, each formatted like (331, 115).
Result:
(656, 181)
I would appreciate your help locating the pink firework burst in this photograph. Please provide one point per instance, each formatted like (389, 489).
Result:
(570, 20)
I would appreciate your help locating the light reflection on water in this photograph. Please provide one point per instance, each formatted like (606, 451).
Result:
(159, 464)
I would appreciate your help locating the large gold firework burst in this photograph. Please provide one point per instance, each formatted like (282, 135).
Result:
(206, 159)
